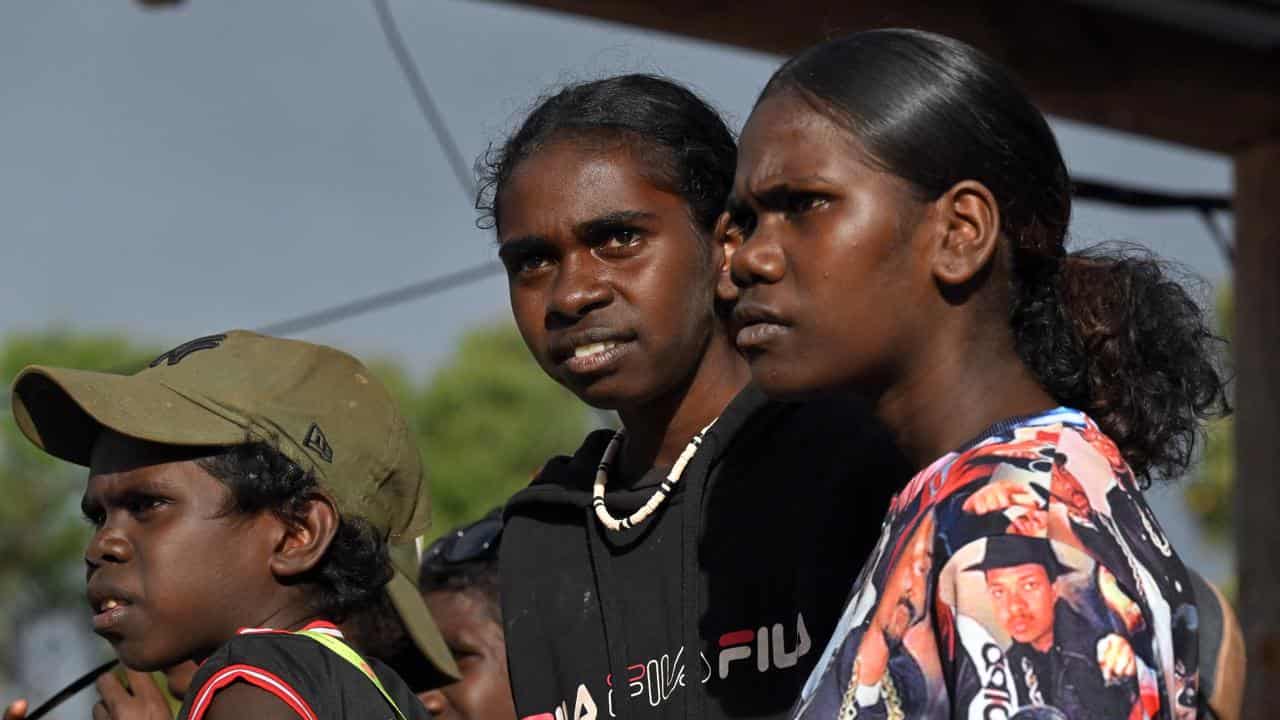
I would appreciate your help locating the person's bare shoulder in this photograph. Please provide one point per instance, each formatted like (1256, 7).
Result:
(241, 700)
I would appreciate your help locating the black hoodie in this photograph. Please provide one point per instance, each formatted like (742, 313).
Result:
(732, 587)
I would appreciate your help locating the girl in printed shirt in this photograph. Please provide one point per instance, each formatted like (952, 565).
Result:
(897, 230)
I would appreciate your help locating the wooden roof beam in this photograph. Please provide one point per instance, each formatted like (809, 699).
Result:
(1077, 61)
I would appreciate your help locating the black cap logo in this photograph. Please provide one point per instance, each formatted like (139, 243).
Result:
(316, 440)
(174, 356)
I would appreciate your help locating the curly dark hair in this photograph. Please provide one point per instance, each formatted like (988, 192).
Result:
(1108, 330)
(696, 154)
(356, 566)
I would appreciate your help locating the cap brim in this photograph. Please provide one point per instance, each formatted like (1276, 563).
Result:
(63, 411)
(421, 627)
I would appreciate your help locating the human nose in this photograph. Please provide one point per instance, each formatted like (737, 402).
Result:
(759, 260)
(580, 287)
(108, 545)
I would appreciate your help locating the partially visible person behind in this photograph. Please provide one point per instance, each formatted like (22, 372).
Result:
(379, 630)
(177, 679)
(244, 491)
(898, 235)
(460, 583)
(128, 694)
(125, 693)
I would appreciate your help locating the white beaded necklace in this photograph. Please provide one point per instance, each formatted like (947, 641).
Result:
(639, 516)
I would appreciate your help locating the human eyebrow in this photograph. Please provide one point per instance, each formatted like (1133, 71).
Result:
(514, 249)
(742, 216)
(1027, 577)
(770, 192)
(780, 196)
(611, 221)
(91, 509)
(463, 644)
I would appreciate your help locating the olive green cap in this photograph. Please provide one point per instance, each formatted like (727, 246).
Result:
(407, 600)
(320, 407)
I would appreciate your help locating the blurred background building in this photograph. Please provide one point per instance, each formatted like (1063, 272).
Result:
(170, 169)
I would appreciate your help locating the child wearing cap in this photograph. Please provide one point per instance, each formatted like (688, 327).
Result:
(244, 490)
(460, 582)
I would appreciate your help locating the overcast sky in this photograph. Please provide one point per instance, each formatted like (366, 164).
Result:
(237, 162)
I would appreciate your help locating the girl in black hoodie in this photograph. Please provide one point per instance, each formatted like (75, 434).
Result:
(694, 563)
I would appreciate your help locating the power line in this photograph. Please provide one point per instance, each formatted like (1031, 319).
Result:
(461, 170)
(1145, 199)
(1225, 246)
(362, 306)
(398, 296)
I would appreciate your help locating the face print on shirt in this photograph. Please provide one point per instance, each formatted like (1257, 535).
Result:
(1045, 595)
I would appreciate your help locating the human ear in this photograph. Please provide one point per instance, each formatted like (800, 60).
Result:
(306, 540)
(970, 224)
(726, 241)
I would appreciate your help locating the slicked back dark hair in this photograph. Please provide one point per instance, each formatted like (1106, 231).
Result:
(1109, 330)
(694, 152)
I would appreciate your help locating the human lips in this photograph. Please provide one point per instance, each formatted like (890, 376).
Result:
(592, 350)
(1019, 626)
(110, 607)
(757, 325)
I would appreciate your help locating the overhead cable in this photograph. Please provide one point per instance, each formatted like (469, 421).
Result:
(1204, 205)
(378, 301)
(461, 170)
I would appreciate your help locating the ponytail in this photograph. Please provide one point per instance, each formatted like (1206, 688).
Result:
(1114, 331)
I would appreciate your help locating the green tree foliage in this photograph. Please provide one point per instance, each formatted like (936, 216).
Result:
(487, 421)
(1210, 494)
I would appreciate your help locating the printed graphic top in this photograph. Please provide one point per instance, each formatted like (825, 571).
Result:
(1022, 576)
(314, 681)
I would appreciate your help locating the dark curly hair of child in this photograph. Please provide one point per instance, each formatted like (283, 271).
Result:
(356, 565)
